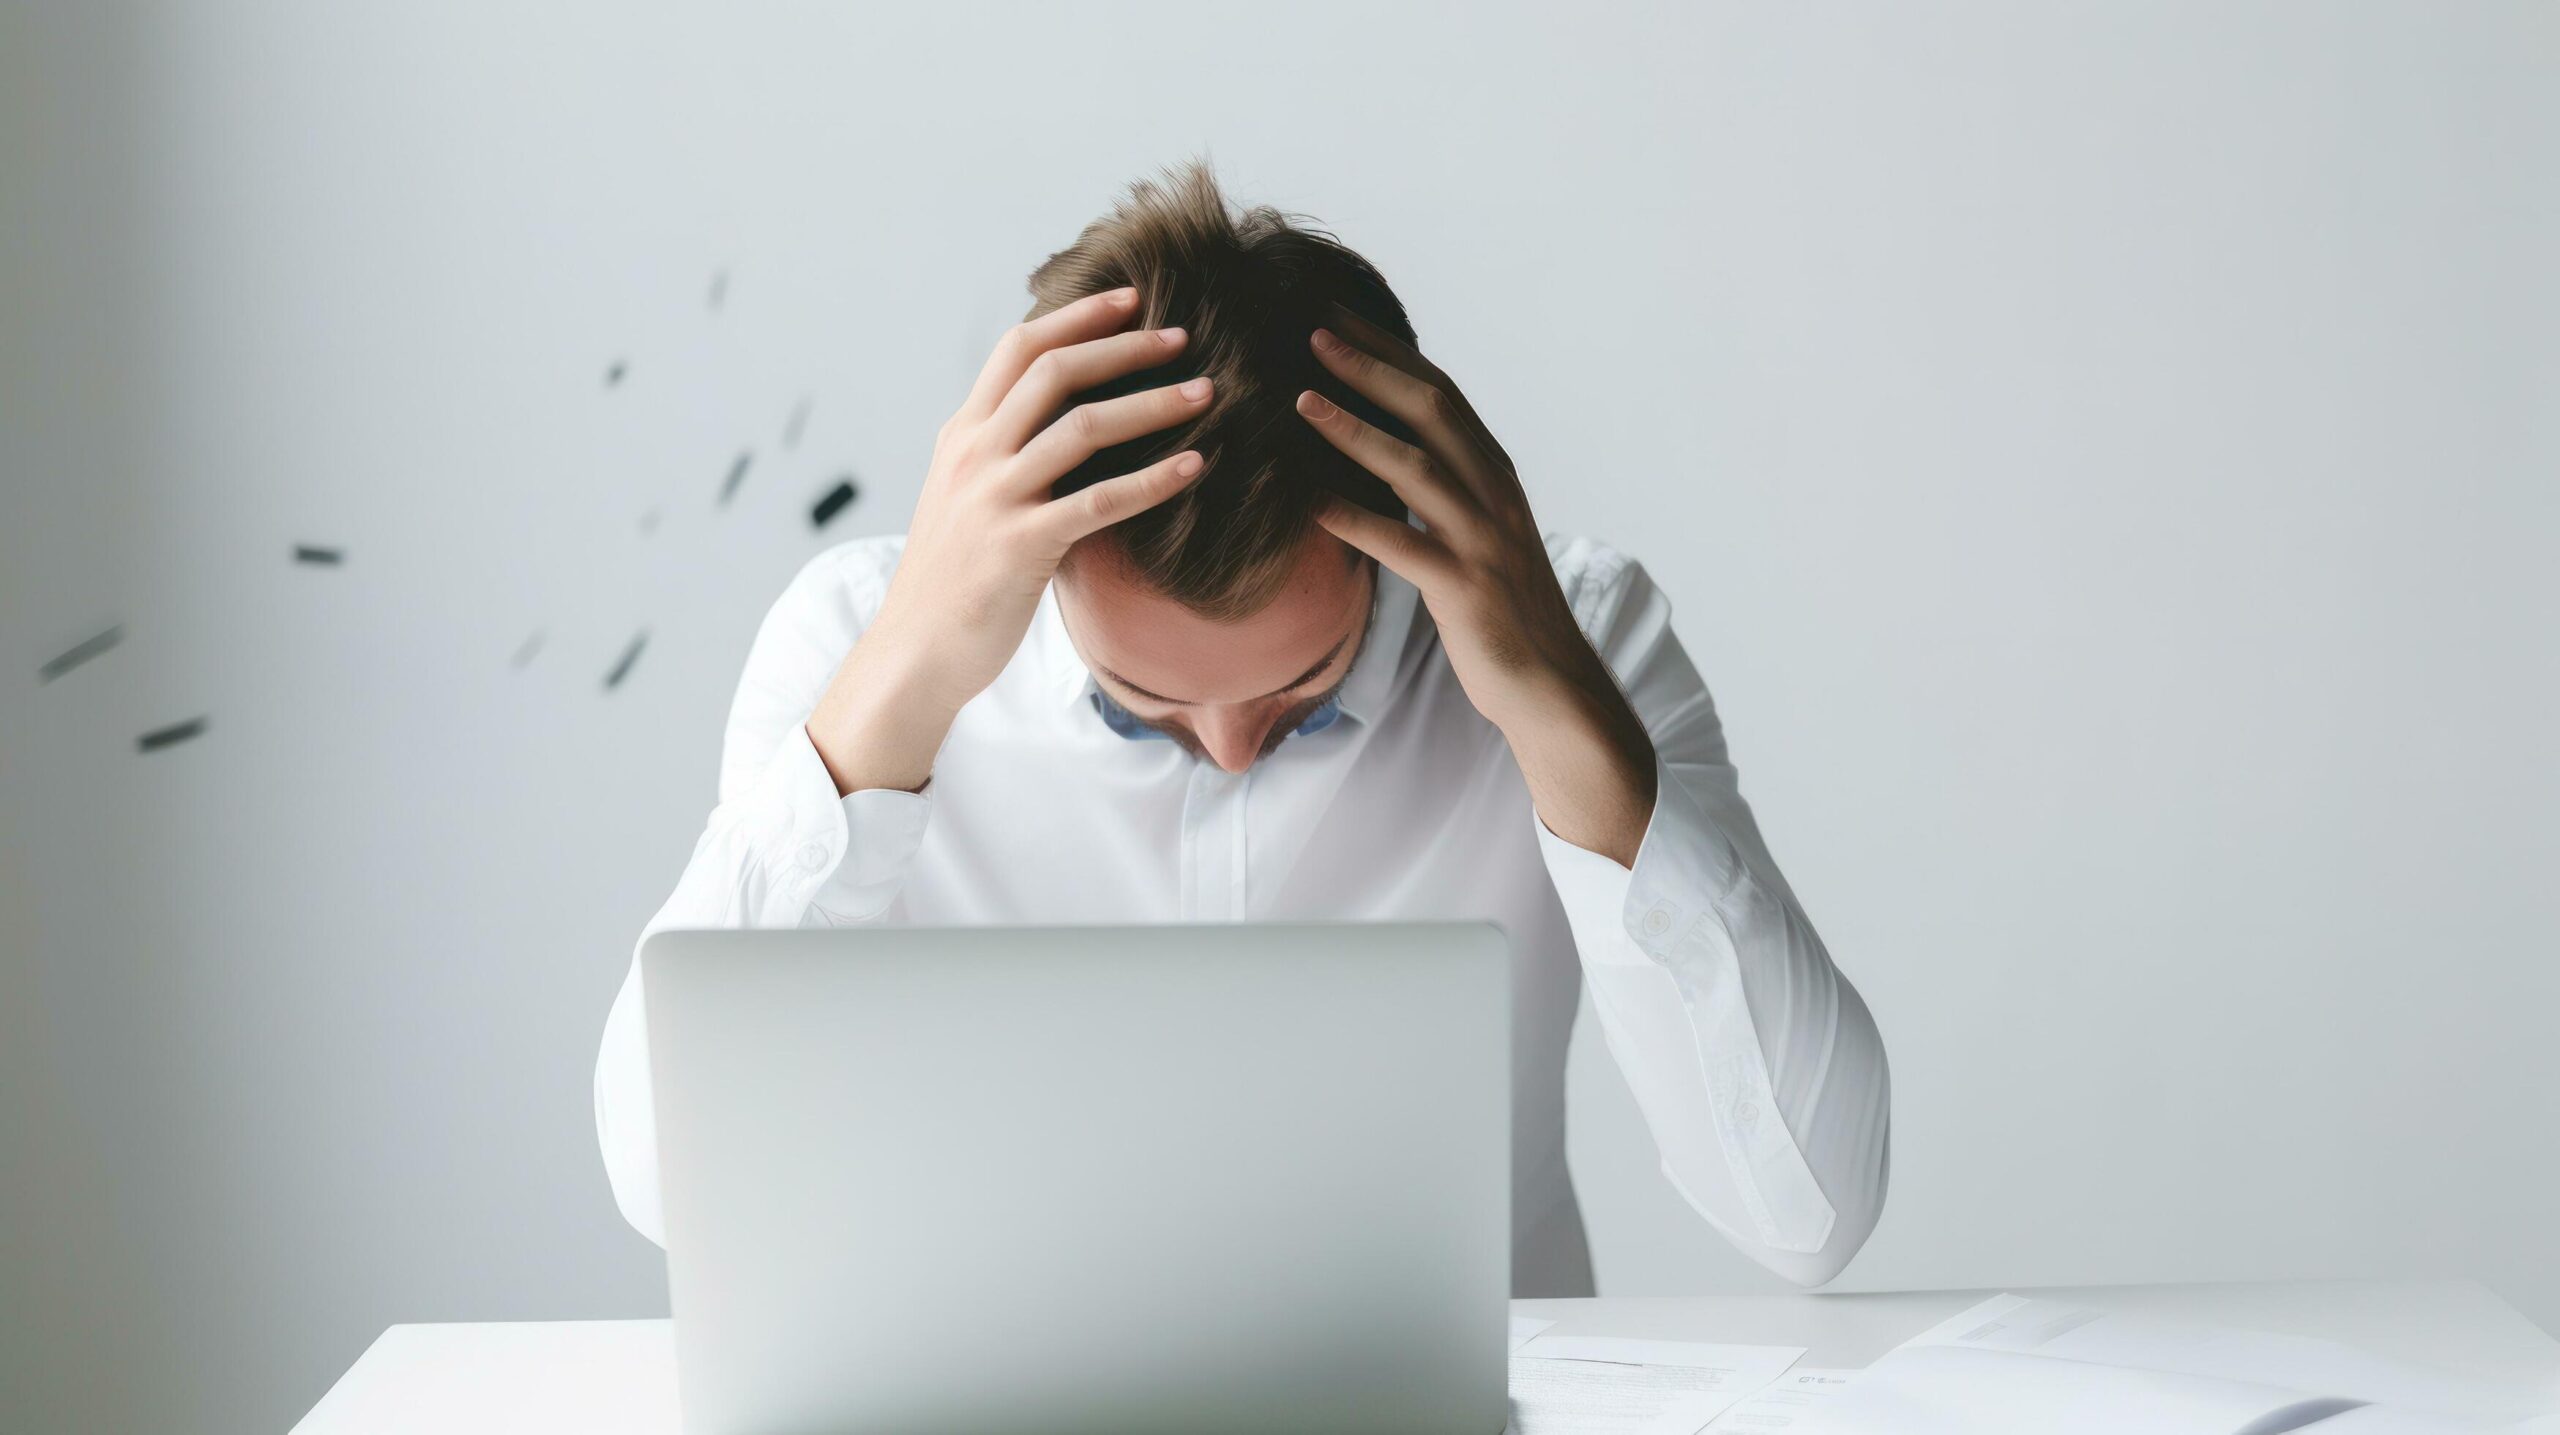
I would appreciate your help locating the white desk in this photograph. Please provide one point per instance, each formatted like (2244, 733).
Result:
(575, 1377)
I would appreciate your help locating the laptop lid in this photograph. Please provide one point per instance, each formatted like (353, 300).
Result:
(1146, 1179)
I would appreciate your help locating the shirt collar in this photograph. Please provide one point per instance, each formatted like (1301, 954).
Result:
(1129, 725)
(1364, 690)
(1373, 674)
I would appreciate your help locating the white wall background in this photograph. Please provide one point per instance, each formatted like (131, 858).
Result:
(2104, 459)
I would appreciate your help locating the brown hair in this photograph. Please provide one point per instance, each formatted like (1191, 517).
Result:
(1249, 287)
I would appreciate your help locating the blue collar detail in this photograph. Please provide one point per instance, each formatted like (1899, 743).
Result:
(1132, 727)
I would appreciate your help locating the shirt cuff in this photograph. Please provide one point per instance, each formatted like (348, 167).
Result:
(1684, 867)
(847, 855)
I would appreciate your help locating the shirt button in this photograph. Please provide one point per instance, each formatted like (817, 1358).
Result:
(1656, 922)
(1746, 1113)
(814, 856)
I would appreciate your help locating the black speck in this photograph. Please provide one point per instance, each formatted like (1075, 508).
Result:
(622, 669)
(835, 502)
(614, 372)
(798, 425)
(526, 650)
(170, 736)
(737, 475)
(318, 557)
(79, 653)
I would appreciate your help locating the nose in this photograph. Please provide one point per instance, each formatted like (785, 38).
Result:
(1232, 736)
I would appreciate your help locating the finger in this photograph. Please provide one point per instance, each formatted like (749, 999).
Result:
(1432, 413)
(1088, 429)
(1090, 510)
(1421, 482)
(1057, 376)
(1090, 317)
(1404, 550)
(1386, 346)
(1395, 354)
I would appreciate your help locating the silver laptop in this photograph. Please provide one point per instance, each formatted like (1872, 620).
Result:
(1187, 1179)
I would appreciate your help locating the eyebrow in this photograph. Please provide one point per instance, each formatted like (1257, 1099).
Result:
(1299, 681)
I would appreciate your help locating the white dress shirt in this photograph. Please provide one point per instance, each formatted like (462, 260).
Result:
(1757, 1067)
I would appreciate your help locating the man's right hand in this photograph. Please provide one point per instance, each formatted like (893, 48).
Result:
(987, 536)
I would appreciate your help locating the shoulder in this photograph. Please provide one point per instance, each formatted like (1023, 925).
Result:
(1599, 581)
(856, 571)
(824, 607)
(841, 587)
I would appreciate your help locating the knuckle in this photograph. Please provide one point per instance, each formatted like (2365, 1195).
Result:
(1104, 502)
(1016, 340)
(1438, 406)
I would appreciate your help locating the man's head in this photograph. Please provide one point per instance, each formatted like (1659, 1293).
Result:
(1225, 614)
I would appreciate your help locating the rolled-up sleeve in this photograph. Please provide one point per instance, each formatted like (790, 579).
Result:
(1759, 1070)
(782, 849)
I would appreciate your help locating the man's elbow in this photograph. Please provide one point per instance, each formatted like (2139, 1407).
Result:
(626, 1126)
(638, 1200)
(631, 1169)
(1808, 1269)
(1850, 1150)
(1855, 1221)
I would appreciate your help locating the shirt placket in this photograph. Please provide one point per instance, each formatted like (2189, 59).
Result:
(1214, 846)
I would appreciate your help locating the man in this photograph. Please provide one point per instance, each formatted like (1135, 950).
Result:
(1162, 644)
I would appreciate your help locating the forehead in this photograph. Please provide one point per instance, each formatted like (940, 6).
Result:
(1124, 628)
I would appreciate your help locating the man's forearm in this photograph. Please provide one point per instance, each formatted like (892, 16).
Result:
(877, 726)
(1589, 765)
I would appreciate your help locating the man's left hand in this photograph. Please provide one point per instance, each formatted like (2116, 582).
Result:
(1481, 566)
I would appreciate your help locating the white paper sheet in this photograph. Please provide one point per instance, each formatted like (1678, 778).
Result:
(1595, 1395)
(1959, 1390)
(2063, 1331)
(1525, 1328)
(2383, 1420)
(1622, 1350)
(1789, 1403)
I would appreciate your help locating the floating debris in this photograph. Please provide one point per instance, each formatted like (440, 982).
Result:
(649, 521)
(630, 655)
(526, 650)
(78, 653)
(798, 425)
(737, 475)
(719, 288)
(835, 502)
(317, 556)
(613, 374)
(170, 736)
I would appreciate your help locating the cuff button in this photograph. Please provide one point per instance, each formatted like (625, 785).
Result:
(1656, 922)
(813, 856)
